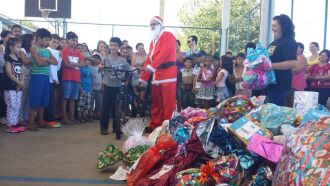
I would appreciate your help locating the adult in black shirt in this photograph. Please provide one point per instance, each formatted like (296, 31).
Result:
(283, 54)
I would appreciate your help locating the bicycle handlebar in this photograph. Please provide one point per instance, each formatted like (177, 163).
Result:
(115, 70)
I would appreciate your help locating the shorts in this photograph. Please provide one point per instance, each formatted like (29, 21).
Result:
(70, 90)
(39, 91)
(85, 101)
(97, 99)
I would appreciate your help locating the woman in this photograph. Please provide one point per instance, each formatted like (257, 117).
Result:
(314, 58)
(137, 62)
(319, 75)
(283, 54)
(298, 72)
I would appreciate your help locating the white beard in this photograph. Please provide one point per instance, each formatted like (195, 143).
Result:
(155, 32)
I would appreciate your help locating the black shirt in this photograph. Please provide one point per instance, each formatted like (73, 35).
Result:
(282, 49)
(8, 84)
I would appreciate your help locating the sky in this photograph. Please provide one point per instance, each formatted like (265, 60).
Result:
(308, 18)
(130, 12)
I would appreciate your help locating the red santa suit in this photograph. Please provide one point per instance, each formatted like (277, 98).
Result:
(161, 66)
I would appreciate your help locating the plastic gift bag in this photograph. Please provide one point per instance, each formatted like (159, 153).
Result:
(133, 129)
(265, 147)
(305, 100)
(257, 75)
(306, 159)
(153, 136)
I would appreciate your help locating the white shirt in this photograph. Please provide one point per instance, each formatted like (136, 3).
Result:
(222, 82)
(53, 69)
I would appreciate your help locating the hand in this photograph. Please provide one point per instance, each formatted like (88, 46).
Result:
(141, 84)
(20, 84)
(56, 82)
(194, 90)
(101, 66)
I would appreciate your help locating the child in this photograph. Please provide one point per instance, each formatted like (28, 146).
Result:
(238, 76)
(187, 83)
(220, 82)
(13, 84)
(28, 41)
(206, 91)
(84, 103)
(63, 44)
(111, 84)
(72, 61)
(200, 61)
(96, 84)
(50, 110)
(16, 31)
(41, 59)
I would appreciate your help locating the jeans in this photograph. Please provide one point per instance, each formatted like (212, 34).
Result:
(108, 105)
(49, 114)
(187, 98)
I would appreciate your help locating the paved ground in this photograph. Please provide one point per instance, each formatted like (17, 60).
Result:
(61, 156)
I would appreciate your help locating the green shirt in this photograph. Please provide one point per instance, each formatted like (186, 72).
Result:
(36, 69)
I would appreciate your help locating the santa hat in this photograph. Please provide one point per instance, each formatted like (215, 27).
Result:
(159, 20)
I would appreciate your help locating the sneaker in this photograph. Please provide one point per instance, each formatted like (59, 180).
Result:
(13, 129)
(104, 132)
(20, 128)
(54, 124)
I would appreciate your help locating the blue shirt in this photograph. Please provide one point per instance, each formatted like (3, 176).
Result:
(86, 79)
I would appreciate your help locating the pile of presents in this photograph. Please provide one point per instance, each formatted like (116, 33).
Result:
(240, 142)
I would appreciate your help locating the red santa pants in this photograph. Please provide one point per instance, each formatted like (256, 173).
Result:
(163, 103)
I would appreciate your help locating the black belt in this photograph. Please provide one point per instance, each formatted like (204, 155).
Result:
(166, 65)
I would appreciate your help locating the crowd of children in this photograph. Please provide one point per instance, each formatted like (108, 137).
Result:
(46, 80)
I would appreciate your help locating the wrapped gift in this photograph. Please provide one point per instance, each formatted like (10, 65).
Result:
(305, 158)
(234, 108)
(263, 176)
(314, 115)
(265, 147)
(256, 73)
(305, 100)
(273, 116)
(246, 127)
(188, 177)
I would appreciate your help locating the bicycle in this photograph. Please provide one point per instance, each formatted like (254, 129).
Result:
(123, 103)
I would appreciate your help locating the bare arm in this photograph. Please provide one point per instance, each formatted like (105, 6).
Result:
(219, 77)
(24, 59)
(300, 65)
(41, 61)
(52, 59)
(285, 65)
(318, 77)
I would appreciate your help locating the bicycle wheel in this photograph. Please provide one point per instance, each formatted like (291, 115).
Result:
(120, 116)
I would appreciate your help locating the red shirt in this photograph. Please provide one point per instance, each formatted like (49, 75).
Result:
(317, 70)
(71, 74)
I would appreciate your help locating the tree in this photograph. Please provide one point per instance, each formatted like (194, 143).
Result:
(29, 24)
(207, 14)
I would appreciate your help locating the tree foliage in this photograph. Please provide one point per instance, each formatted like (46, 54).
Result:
(208, 13)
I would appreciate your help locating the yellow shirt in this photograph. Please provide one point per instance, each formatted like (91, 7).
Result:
(312, 62)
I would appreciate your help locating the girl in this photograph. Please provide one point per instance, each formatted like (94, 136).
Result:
(25, 55)
(102, 48)
(206, 91)
(238, 76)
(137, 62)
(13, 84)
(220, 82)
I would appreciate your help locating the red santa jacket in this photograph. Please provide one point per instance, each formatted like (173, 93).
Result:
(161, 60)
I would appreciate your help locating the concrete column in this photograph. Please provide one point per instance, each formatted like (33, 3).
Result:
(161, 8)
(267, 14)
(224, 25)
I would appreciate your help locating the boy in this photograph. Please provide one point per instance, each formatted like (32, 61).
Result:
(72, 61)
(16, 31)
(96, 85)
(200, 61)
(49, 115)
(111, 84)
(187, 83)
(41, 59)
(84, 104)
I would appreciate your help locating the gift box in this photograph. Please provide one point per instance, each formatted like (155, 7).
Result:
(305, 100)
(273, 116)
(265, 148)
(305, 158)
(246, 127)
(314, 115)
(234, 108)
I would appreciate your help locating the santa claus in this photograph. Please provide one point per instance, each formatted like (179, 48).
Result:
(160, 64)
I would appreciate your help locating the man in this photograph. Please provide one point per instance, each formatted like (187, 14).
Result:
(192, 43)
(161, 65)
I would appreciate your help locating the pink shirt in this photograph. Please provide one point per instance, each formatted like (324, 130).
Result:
(298, 79)
(321, 71)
